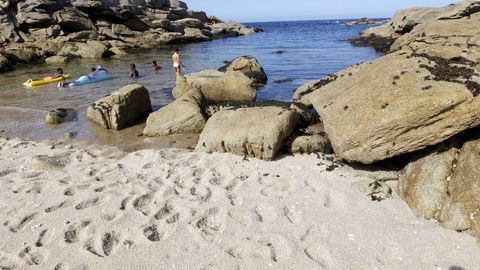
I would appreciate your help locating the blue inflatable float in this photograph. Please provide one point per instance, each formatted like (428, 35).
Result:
(100, 75)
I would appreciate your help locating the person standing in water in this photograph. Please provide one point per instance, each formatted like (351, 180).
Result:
(133, 71)
(177, 63)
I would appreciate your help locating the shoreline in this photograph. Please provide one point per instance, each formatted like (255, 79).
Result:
(73, 206)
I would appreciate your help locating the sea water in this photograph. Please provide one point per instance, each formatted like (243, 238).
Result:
(292, 53)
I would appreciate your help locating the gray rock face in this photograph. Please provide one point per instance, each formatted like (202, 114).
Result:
(121, 108)
(249, 66)
(256, 132)
(183, 116)
(216, 86)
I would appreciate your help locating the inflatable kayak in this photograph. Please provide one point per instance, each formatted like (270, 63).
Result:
(98, 76)
(32, 83)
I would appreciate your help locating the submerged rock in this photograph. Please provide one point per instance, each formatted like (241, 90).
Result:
(59, 116)
(122, 108)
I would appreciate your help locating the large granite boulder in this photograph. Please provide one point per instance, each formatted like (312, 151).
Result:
(444, 185)
(249, 66)
(397, 104)
(122, 108)
(217, 86)
(183, 116)
(257, 132)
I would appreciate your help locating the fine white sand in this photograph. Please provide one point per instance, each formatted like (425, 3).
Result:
(89, 207)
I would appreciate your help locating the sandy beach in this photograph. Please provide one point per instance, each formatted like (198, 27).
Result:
(65, 206)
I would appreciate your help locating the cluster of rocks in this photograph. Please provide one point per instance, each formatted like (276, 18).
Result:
(37, 31)
(363, 21)
(416, 104)
(221, 106)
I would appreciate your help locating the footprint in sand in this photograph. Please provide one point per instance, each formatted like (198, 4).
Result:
(63, 204)
(91, 202)
(7, 172)
(211, 223)
(335, 199)
(124, 203)
(73, 232)
(143, 203)
(42, 237)
(158, 232)
(33, 255)
(23, 222)
(107, 244)
(321, 255)
(60, 266)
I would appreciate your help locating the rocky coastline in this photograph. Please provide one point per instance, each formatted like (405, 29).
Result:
(417, 105)
(58, 31)
(411, 107)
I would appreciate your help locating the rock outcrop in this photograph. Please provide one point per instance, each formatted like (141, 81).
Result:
(419, 103)
(249, 66)
(106, 25)
(217, 86)
(422, 93)
(122, 108)
(256, 132)
(404, 21)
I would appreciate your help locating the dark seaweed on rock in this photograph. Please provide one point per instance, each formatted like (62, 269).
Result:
(330, 78)
(445, 70)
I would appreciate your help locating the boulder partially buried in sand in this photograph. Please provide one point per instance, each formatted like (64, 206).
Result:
(216, 86)
(444, 185)
(121, 108)
(183, 116)
(257, 132)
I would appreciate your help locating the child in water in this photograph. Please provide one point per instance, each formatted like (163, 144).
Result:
(155, 66)
(133, 71)
(59, 74)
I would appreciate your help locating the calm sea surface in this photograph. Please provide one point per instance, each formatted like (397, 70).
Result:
(311, 50)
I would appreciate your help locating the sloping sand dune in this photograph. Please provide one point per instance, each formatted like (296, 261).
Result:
(87, 207)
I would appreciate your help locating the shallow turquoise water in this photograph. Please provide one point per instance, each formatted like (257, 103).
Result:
(311, 50)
